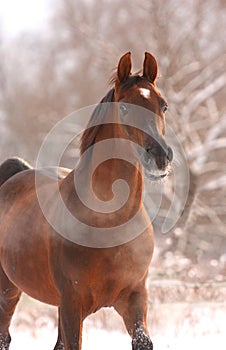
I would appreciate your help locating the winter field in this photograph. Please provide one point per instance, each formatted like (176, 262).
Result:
(173, 326)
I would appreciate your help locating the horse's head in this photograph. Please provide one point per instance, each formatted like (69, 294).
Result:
(142, 113)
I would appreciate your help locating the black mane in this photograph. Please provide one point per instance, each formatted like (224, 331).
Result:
(95, 122)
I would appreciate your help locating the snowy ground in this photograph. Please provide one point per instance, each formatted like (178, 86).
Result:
(172, 326)
(100, 339)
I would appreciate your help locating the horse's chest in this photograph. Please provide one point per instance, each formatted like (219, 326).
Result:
(130, 265)
(98, 276)
(126, 269)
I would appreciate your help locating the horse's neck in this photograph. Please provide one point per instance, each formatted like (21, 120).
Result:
(98, 200)
(117, 178)
(115, 185)
(107, 176)
(109, 160)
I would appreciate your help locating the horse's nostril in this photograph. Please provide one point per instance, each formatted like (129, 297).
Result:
(170, 154)
(149, 149)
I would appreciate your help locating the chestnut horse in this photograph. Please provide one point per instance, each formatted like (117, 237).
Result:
(38, 260)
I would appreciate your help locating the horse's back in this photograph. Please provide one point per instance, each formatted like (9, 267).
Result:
(17, 174)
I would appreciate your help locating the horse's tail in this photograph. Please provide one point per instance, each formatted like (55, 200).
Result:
(11, 167)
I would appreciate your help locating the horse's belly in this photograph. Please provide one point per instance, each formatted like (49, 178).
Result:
(31, 276)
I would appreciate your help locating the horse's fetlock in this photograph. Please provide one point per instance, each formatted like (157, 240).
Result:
(141, 341)
(5, 340)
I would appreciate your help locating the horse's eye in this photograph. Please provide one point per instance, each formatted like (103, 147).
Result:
(164, 108)
(123, 110)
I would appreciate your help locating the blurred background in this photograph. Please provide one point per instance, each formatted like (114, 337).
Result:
(57, 56)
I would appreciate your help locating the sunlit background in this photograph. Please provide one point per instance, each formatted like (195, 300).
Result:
(57, 56)
(23, 15)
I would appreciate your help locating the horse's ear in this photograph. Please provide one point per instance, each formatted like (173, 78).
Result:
(124, 67)
(150, 68)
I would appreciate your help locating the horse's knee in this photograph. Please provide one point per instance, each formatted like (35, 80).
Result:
(9, 298)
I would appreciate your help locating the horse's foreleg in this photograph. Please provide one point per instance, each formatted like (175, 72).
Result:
(9, 297)
(59, 344)
(70, 323)
(133, 308)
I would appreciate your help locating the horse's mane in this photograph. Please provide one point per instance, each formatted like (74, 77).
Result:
(99, 113)
(95, 122)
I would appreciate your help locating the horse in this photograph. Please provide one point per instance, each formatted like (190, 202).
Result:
(55, 269)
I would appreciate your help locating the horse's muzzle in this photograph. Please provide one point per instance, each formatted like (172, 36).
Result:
(156, 161)
(162, 155)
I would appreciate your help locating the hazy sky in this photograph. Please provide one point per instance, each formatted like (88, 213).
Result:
(20, 15)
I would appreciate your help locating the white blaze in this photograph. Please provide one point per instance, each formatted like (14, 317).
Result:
(145, 92)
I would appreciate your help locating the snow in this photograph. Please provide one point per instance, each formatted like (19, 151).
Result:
(199, 331)
(101, 339)
(173, 326)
